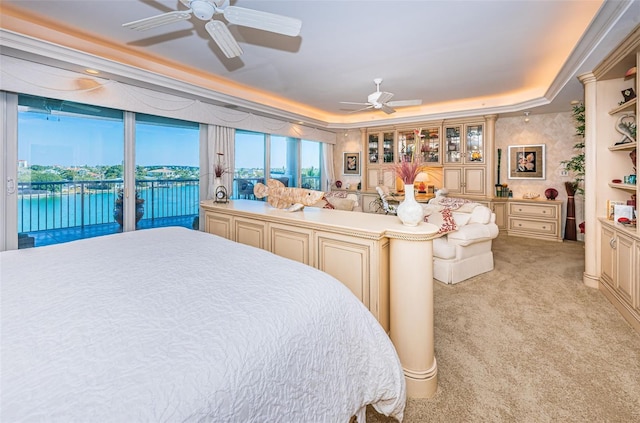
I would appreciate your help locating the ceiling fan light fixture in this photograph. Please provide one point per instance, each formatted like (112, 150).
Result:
(202, 9)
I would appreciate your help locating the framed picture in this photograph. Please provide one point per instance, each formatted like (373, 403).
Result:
(351, 165)
(526, 161)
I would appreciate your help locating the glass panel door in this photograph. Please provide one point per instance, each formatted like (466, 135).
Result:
(167, 172)
(70, 169)
(249, 163)
(474, 144)
(407, 145)
(374, 148)
(311, 164)
(452, 144)
(388, 143)
(283, 161)
(430, 147)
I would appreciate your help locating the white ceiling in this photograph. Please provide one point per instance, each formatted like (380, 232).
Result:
(458, 57)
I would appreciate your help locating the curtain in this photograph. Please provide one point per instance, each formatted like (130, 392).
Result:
(327, 164)
(216, 143)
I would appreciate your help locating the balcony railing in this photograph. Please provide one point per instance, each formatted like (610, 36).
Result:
(54, 205)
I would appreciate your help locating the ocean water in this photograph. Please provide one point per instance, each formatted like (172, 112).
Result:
(37, 212)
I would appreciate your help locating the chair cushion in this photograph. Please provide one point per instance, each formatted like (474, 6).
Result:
(442, 249)
(472, 233)
(480, 214)
(461, 218)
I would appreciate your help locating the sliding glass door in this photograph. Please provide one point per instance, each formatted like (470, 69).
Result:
(167, 172)
(72, 178)
(70, 169)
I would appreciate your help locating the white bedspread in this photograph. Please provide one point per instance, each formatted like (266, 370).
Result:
(172, 325)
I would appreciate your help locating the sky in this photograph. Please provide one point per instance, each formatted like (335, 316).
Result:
(50, 139)
(69, 141)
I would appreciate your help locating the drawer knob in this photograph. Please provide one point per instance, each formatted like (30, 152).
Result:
(519, 224)
(544, 227)
(544, 211)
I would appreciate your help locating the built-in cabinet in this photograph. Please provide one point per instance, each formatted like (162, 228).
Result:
(608, 104)
(468, 159)
(620, 271)
(361, 262)
(381, 154)
(499, 208)
(465, 180)
(539, 219)
(463, 148)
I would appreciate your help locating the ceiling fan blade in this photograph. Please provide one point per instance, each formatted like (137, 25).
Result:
(388, 110)
(223, 38)
(362, 109)
(384, 97)
(352, 102)
(404, 103)
(263, 20)
(158, 20)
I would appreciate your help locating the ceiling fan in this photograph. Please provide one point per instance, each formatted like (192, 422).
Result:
(206, 9)
(379, 100)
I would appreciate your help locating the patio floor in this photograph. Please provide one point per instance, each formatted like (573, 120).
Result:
(57, 236)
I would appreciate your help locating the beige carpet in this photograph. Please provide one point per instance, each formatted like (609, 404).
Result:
(528, 342)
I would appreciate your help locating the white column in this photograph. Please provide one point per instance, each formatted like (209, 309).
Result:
(590, 275)
(411, 310)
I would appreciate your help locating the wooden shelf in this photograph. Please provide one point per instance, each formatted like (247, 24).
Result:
(628, 187)
(629, 105)
(626, 146)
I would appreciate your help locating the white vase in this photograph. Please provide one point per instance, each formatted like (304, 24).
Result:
(213, 187)
(410, 211)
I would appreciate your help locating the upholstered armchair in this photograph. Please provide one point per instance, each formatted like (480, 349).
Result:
(464, 249)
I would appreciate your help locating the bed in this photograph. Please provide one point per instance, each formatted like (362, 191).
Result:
(171, 324)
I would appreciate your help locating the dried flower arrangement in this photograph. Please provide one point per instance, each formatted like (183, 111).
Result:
(408, 170)
(219, 169)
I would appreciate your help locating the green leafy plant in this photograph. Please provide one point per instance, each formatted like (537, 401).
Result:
(576, 164)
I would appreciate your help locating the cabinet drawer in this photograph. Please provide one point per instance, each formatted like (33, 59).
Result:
(538, 227)
(540, 211)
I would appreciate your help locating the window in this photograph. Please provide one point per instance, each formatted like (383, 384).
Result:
(71, 172)
(293, 161)
(167, 171)
(249, 163)
(311, 165)
(284, 159)
(70, 159)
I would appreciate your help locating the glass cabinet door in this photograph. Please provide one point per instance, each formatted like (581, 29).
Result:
(474, 144)
(406, 145)
(388, 145)
(430, 147)
(452, 144)
(374, 148)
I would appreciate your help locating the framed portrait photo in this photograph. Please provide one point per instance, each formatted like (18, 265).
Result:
(351, 164)
(526, 161)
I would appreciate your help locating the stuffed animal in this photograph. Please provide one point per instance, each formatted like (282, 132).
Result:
(282, 197)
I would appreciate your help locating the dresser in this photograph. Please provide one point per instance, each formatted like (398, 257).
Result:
(537, 218)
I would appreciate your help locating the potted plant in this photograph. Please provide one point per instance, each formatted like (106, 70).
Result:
(576, 166)
(117, 210)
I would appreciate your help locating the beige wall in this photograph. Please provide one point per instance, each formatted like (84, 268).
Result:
(349, 141)
(555, 130)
